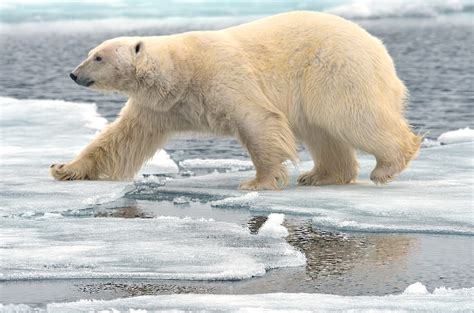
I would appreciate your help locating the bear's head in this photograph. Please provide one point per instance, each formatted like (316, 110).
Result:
(111, 65)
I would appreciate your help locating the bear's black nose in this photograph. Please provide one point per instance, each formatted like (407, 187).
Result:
(74, 77)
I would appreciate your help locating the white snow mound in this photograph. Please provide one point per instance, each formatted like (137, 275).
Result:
(273, 226)
(457, 136)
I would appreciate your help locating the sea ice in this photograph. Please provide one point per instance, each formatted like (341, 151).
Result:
(236, 202)
(435, 195)
(441, 300)
(227, 164)
(36, 133)
(157, 248)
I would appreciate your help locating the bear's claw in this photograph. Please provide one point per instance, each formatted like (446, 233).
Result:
(62, 172)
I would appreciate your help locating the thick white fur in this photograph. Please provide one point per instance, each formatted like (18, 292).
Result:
(311, 76)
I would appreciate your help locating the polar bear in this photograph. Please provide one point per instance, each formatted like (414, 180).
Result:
(305, 76)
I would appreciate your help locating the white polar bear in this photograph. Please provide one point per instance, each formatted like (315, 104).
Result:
(300, 75)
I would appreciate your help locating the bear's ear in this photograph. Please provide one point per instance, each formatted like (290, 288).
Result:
(138, 47)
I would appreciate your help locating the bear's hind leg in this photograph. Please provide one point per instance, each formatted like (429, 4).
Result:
(335, 162)
(395, 157)
(392, 143)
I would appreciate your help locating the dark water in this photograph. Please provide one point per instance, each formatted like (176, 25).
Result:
(433, 57)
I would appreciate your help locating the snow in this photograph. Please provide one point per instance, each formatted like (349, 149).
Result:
(416, 289)
(435, 195)
(273, 226)
(457, 136)
(441, 300)
(157, 248)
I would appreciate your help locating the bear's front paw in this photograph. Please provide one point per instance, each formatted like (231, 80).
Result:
(67, 172)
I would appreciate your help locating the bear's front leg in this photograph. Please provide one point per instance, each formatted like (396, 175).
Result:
(119, 151)
(270, 142)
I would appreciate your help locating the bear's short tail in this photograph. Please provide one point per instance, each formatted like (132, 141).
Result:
(412, 147)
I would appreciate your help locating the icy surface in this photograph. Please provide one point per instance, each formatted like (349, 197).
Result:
(273, 226)
(236, 202)
(435, 195)
(457, 136)
(37, 133)
(397, 8)
(158, 248)
(441, 300)
(228, 164)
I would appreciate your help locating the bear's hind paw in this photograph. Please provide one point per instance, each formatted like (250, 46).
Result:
(256, 184)
(311, 178)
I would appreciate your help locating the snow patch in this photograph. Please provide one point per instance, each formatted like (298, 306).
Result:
(273, 226)
(457, 136)
(416, 289)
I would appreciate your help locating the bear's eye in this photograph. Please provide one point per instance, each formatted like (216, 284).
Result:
(98, 58)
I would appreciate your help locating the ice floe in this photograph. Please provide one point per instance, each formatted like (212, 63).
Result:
(36, 133)
(435, 195)
(156, 248)
(457, 136)
(440, 300)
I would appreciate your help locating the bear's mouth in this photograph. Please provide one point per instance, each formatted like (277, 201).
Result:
(85, 83)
